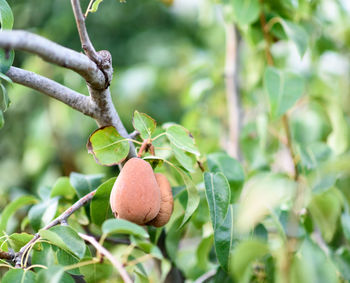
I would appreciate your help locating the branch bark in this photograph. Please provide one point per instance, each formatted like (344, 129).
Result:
(53, 89)
(99, 106)
(54, 53)
(61, 219)
(232, 95)
(109, 256)
(83, 34)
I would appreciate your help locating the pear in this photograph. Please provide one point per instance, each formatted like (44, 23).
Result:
(136, 195)
(166, 202)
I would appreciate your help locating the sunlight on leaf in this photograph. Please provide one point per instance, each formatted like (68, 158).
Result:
(144, 124)
(261, 194)
(107, 146)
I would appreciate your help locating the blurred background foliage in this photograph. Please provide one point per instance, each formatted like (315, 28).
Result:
(169, 63)
(165, 65)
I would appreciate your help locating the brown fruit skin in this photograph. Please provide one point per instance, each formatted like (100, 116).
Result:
(135, 195)
(167, 202)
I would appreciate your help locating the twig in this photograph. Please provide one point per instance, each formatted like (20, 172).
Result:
(106, 239)
(83, 34)
(53, 89)
(124, 275)
(293, 221)
(232, 95)
(88, 8)
(285, 120)
(54, 53)
(60, 219)
(134, 134)
(206, 276)
(267, 38)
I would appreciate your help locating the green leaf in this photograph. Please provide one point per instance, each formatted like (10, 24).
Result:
(46, 256)
(193, 197)
(203, 251)
(310, 264)
(84, 184)
(107, 146)
(186, 159)
(244, 255)
(19, 276)
(325, 210)
(2, 121)
(99, 208)
(11, 208)
(62, 188)
(5, 78)
(41, 214)
(65, 238)
(95, 272)
(144, 124)
(222, 276)
(297, 34)
(218, 196)
(6, 16)
(262, 193)
(6, 60)
(339, 138)
(182, 139)
(4, 98)
(54, 274)
(94, 6)
(64, 258)
(345, 222)
(121, 226)
(231, 168)
(173, 237)
(283, 89)
(342, 260)
(223, 239)
(147, 247)
(18, 240)
(245, 11)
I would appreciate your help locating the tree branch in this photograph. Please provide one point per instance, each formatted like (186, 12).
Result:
(53, 89)
(107, 114)
(83, 34)
(232, 95)
(285, 118)
(206, 276)
(109, 256)
(61, 219)
(54, 53)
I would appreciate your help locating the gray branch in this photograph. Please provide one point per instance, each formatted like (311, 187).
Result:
(61, 219)
(83, 34)
(102, 250)
(98, 106)
(53, 89)
(54, 53)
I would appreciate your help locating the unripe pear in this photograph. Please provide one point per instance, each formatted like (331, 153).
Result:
(166, 202)
(135, 195)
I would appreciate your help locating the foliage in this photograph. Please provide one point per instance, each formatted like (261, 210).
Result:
(279, 213)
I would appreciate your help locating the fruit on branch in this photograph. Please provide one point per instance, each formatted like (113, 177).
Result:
(135, 195)
(166, 202)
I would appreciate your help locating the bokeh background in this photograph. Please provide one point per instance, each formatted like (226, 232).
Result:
(168, 58)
